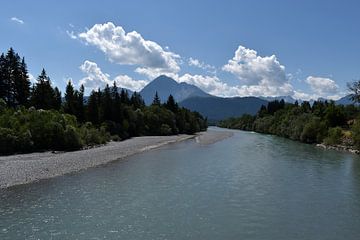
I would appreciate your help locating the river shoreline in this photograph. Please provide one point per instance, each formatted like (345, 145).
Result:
(340, 148)
(25, 168)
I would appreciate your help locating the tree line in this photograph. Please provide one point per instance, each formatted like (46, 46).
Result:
(36, 117)
(320, 122)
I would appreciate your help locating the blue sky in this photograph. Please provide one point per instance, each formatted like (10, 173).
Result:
(306, 49)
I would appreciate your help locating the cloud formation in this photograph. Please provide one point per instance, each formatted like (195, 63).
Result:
(322, 86)
(258, 75)
(131, 49)
(17, 20)
(252, 69)
(71, 34)
(209, 84)
(95, 78)
(197, 63)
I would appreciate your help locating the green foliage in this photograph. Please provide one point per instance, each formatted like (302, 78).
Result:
(50, 124)
(334, 136)
(165, 130)
(72, 140)
(313, 131)
(320, 122)
(43, 95)
(14, 79)
(28, 130)
(356, 133)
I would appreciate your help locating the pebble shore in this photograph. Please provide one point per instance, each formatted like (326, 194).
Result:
(26, 168)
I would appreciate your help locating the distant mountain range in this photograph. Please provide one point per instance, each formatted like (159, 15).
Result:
(218, 108)
(342, 101)
(287, 99)
(165, 86)
(214, 108)
(345, 101)
(193, 98)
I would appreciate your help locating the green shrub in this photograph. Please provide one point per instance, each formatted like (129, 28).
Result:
(8, 141)
(356, 133)
(314, 131)
(334, 136)
(72, 140)
(25, 142)
(165, 130)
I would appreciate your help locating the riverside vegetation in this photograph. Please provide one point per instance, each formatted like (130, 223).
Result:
(37, 118)
(322, 122)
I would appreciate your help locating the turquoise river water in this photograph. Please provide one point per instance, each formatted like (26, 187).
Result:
(249, 186)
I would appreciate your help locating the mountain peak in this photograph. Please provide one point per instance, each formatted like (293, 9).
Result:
(163, 78)
(165, 86)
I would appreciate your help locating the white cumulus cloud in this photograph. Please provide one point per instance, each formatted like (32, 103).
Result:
(209, 84)
(131, 49)
(17, 20)
(321, 86)
(259, 76)
(252, 69)
(95, 78)
(125, 81)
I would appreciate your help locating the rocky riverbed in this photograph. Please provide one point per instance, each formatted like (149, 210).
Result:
(25, 168)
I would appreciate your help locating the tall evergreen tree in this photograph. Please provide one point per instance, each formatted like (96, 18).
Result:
(106, 104)
(117, 108)
(171, 104)
(137, 101)
(156, 100)
(57, 99)
(92, 108)
(12, 61)
(22, 85)
(124, 96)
(80, 104)
(70, 99)
(43, 96)
(4, 82)
(14, 79)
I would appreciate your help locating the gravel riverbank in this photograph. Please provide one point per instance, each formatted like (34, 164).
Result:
(25, 168)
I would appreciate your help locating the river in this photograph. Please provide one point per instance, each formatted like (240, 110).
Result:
(249, 186)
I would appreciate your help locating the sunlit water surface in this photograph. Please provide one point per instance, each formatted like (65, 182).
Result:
(249, 186)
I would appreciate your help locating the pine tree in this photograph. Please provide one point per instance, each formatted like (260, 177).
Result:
(43, 96)
(12, 61)
(92, 113)
(4, 83)
(124, 96)
(70, 99)
(80, 111)
(171, 104)
(137, 101)
(106, 104)
(156, 101)
(22, 85)
(57, 99)
(14, 79)
(117, 107)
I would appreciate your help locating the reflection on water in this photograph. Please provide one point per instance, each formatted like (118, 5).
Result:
(250, 186)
